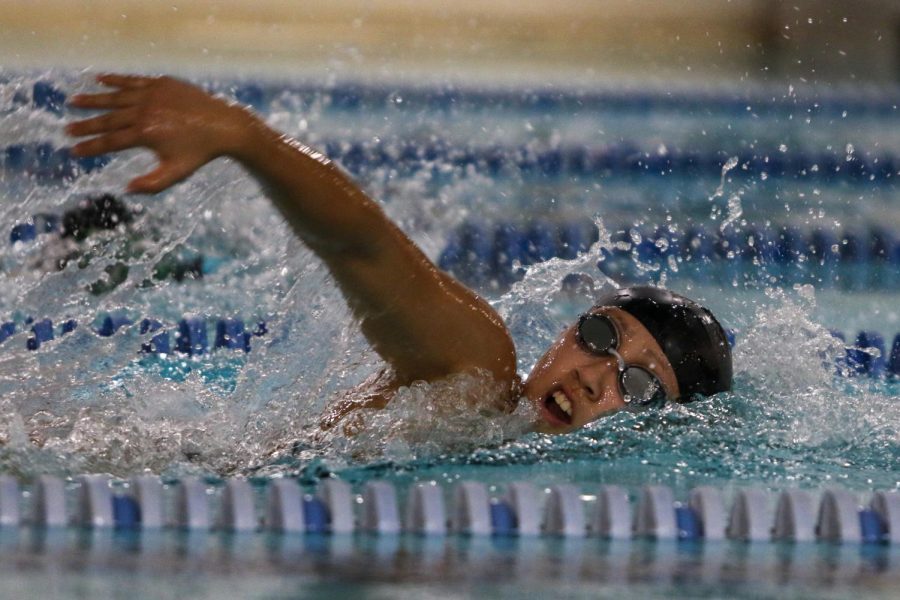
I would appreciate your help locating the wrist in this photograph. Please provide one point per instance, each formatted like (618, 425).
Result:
(245, 133)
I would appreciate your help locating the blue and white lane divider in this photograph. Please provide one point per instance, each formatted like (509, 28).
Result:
(190, 334)
(868, 356)
(49, 164)
(483, 254)
(469, 508)
(495, 253)
(873, 101)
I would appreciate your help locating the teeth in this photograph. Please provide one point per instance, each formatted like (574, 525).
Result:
(563, 402)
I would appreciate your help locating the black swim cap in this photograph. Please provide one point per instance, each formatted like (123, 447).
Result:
(93, 214)
(688, 334)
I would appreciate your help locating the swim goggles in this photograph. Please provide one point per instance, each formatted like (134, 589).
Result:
(640, 388)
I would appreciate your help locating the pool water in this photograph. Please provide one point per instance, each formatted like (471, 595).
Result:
(618, 165)
(209, 566)
(787, 407)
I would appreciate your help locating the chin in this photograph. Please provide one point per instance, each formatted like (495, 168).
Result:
(548, 429)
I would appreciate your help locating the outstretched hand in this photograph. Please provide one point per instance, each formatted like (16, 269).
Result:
(183, 125)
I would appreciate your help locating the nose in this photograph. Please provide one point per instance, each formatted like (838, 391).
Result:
(598, 376)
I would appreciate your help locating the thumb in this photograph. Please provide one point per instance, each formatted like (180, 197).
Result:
(167, 174)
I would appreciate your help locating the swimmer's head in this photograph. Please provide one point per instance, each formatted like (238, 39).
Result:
(93, 214)
(637, 346)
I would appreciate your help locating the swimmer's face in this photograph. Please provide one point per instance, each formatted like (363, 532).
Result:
(590, 382)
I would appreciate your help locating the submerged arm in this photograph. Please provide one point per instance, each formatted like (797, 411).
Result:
(422, 322)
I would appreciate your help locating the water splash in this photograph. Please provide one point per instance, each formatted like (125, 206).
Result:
(730, 164)
(735, 211)
(458, 414)
(536, 309)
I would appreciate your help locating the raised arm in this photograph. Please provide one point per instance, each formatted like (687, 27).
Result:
(425, 324)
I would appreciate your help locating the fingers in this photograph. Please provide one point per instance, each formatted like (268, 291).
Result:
(124, 81)
(130, 102)
(129, 92)
(118, 119)
(119, 99)
(168, 173)
(110, 142)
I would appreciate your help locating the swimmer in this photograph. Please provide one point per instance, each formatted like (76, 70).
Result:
(105, 212)
(637, 347)
(92, 214)
(95, 213)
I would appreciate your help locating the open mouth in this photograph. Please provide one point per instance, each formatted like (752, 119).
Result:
(558, 408)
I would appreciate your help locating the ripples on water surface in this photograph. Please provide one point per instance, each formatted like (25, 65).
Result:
(88, 403)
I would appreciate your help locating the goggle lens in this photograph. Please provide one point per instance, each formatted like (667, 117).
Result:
(640, 388)
(597, 333)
